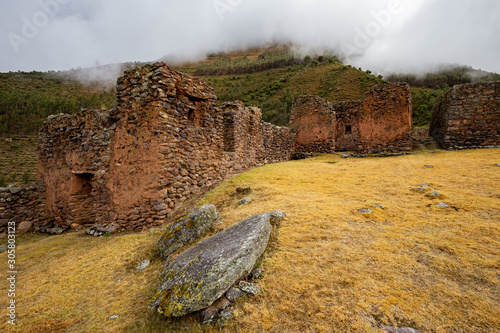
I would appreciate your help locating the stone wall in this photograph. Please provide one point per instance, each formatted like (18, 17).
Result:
(166, 142)
(73, 160)
(24, 205)
(314, 121)
(381, 122)
(347, 125)
(468, 116)
(385, 122)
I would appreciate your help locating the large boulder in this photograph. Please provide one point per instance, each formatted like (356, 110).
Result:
(202, 274)
(187, 229)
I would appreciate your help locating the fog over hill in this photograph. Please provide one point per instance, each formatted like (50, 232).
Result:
(382, 35)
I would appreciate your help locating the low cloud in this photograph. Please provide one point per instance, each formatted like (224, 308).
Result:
(382, 35)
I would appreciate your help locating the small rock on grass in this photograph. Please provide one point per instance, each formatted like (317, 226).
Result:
(442, 205)
(498, 164)
(365, 211)
(4, 248)
(244, 201)
(233, 294)
(429, 166)
(224, 316)
(435, 193)
(256, 273)
(380, 206)
(249, 288)
(208, 315)
(114, 317)
(400, 329)
(143, 265)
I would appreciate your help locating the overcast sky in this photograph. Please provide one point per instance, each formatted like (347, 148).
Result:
(383, 35)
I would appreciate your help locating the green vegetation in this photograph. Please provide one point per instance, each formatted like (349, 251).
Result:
(423, 100)
(3, 181)
(18, 160)
(27, 99)
(268, 79)
(448, 76)
(273, 90)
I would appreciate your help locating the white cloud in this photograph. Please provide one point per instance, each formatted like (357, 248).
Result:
(421, 34)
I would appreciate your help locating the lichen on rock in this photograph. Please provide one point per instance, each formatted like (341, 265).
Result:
(187, 229)
(201, 275)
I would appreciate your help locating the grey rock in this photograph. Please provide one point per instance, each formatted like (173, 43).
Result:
(249, 288)
(224, 316)
(429, 166)
(498, 164)
(109, 229)
(277, 216)
(435, 194)
(15, 189)
(344, 156)
(55, 231)
(233, 294)
(201, 275)
(442, 205)
(256, 273)
(244, 201)
(365, 211)
(422, 188)
(4, 248)
(399, 330)
(380, 206)
(208, 316)
(187, 229)
(143, 265)
(435, 152)
(114, 317)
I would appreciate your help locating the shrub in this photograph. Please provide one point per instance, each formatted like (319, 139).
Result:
(3, 181)
(26, 177)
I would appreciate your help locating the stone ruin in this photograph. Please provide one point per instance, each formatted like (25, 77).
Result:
(468, 116)
(380, 123)
(167, 141)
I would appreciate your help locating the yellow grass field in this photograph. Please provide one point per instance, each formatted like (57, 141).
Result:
(329, 268)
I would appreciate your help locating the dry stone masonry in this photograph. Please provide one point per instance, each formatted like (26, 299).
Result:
(468, 116)
(165, 142)
(381, 122)
(23, 205)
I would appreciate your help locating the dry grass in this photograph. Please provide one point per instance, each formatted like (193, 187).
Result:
(332, 269)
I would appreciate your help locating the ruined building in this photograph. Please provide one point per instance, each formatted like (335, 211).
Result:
(165, 142)
(381, 122)
(168, 141)
(468, 116)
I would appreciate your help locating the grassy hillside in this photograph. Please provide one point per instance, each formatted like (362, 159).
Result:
(330, 268)
(27, 99)
(273, 78)
(266, 78)
(18, 159)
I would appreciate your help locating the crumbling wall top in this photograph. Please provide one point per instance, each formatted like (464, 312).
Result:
(157, 81)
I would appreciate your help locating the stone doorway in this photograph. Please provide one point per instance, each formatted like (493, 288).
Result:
(82, 201)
